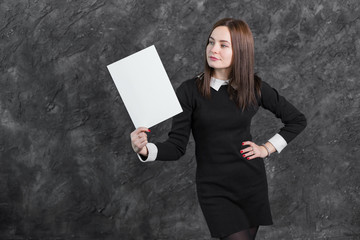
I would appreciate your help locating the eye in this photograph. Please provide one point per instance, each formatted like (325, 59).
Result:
(223, 45)
(211, 43)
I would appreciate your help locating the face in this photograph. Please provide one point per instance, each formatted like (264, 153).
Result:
(219, 51)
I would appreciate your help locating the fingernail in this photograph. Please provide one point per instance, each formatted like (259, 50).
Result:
(247, 158)
(243, 143)
(244, 155)
(149, 130)
(241, 151)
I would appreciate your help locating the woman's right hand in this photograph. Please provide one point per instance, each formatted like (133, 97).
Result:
(139, 140)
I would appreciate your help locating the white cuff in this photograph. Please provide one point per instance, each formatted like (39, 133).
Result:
(278, 142)
(152, 153)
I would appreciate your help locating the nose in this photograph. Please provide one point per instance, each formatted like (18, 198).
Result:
(214, 48)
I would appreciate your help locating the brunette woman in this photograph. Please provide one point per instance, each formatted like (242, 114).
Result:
(218, 106)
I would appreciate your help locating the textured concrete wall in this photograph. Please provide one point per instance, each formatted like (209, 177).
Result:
(67, 170)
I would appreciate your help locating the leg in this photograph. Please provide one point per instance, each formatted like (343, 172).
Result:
(253, 232)
(247, 234)
(242, 235)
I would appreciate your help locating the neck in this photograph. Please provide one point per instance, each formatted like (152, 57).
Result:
(221, 74)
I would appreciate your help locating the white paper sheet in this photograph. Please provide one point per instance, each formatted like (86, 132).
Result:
(145, 88)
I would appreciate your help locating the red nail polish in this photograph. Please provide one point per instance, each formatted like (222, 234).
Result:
(244, 155)
(243, 143)
(247, 158)
(149, 130)
(241, 151)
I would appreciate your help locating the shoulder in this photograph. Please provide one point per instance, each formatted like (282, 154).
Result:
(264, 87)
(267, 92)
(186, 90)
(193, 81)
(188, 85)
(261, 84)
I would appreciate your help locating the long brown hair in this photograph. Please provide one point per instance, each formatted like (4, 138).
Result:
(244, 86)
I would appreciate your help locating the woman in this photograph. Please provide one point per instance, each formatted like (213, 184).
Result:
(217, 107)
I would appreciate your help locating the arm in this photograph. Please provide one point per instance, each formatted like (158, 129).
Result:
(294, 122)
(175, 146)
(148, 153)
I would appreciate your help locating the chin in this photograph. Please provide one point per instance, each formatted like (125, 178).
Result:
(212, 65)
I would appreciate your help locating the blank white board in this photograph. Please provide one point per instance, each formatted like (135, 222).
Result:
(145, 88)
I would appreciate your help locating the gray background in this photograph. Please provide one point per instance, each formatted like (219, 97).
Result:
(67, 170)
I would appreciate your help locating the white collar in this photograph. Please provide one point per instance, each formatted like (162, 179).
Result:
(217, 83)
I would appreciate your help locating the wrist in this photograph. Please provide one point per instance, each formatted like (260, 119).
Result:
(264, 151)
(267, 150)
(270, 147)
(144, 151)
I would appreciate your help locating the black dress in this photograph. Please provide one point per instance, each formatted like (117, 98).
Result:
(232, 191)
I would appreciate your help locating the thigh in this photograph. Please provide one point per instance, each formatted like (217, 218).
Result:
(223, 216)
(256, 207)
(247, 234)
(242, 235)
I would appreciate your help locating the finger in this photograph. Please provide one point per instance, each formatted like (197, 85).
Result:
(139, 130)
(142, 144)
(143, 140)
(248, 143)
(249, 154)
(140, 140)
(255, 153)
(245, 150)
(139, 144)
(142, 129)
(142, 135)
(136, 138)
(252, 157)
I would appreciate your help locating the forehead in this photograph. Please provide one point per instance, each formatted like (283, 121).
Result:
(221, 33)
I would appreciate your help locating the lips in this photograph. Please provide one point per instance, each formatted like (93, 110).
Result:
(214, 58)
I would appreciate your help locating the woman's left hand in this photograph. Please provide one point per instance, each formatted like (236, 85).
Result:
(253, 151)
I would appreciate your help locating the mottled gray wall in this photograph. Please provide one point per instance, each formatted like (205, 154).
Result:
(67, 170)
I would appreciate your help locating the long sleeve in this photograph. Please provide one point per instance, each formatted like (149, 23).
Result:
(294, 121)
(175, 146)
(152, 153)
(278, 142)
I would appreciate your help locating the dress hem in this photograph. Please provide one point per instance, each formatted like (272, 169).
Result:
(238, 230)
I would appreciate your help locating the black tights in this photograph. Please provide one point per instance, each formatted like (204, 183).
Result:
(247, 234)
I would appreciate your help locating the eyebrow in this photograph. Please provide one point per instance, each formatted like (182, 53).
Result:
(220, 40)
